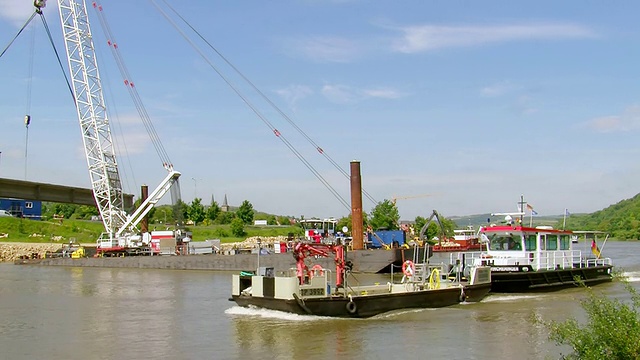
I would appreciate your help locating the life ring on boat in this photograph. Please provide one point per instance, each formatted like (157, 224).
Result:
(434, 279)
(408, 268)
(316, 269)
(351, 307)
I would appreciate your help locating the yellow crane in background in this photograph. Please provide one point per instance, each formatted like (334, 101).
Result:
(396, 198)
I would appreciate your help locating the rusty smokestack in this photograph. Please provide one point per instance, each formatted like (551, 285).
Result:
(356, 206)
(144, 224)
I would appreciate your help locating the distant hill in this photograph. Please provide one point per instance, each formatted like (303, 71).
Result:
(621, 220)
(478, 220)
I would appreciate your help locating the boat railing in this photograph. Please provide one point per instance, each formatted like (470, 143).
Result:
(598, 262)
(564, 259)
(545, 260)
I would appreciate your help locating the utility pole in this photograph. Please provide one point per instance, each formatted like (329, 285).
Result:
(195, 188)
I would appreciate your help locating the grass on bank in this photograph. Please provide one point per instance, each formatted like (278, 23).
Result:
(87, 232)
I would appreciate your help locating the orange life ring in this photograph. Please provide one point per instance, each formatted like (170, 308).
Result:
(316, 269)
(408, 268)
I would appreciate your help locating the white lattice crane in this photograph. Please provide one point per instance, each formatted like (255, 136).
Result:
(96, 133)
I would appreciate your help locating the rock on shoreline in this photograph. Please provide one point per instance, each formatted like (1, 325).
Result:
(13, 251)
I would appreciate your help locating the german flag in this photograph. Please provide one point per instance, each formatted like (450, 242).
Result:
(595, 249)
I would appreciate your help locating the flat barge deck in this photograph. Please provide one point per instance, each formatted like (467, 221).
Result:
(364, 261)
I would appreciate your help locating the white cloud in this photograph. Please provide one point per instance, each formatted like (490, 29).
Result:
(384, 93)
(294, 93)
(496, 90)
(430, 37)
(328, 49)
(629, 120)
(344, 94)
(339, 93)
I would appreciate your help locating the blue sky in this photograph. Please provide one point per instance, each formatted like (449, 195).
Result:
(474, 103)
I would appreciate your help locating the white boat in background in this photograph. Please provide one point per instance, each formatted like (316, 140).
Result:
(587, 236)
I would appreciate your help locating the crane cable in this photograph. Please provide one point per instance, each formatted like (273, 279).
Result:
(268, 100)
(27, 116)
(18, 34)
(276, 132)
(133, 92)
(55, 50)
(46, 27)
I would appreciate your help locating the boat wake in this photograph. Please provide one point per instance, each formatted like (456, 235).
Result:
(632, 276)
(509, 297)
(271, 314)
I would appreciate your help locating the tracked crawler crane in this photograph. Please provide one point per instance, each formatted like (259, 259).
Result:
(121, 234)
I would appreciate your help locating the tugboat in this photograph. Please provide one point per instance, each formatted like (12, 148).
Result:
(526, 259)
(311, 291)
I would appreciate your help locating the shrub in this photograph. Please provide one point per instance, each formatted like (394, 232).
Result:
(611, 332)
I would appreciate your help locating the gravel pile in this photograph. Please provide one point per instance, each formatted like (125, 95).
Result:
(13, 251)
(252, 242)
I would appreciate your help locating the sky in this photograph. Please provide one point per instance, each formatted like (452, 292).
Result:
(456, 106)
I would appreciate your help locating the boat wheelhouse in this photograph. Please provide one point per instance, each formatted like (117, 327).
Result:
(537, 259)
(315, 228)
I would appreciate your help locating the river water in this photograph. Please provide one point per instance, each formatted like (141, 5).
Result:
(101, 313)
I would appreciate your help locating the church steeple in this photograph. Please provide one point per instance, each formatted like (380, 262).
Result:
(225, 204)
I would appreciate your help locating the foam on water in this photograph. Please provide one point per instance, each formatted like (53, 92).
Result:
(632, 276)
(271, 314)
(509, 297)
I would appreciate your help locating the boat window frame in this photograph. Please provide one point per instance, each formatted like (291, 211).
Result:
(551, 239)
(499, 242)
(543, 241)
(531, 242)
(565, 242)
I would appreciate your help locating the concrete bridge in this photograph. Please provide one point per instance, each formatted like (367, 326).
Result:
(29, 190)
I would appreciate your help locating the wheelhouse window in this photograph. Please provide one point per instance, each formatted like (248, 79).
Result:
(530, 242)
(505, 242)
(543, 242)
(565, 242)
(552, 242)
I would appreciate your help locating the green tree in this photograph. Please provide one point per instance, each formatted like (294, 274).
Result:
(66, 210)
(284, 220)
(385, 215)
(86, 212)
(245, 212)
(225, 217)
(161, 214)
(213, 211)
(196, 212)
(612, 330)
(435, 229)
(237, 227)
(179, 212)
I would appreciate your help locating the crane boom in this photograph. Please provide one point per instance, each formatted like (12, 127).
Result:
(92, 114)
(96, 132)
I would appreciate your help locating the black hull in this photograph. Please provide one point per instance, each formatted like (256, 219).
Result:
(548, 280)
(369, 305)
